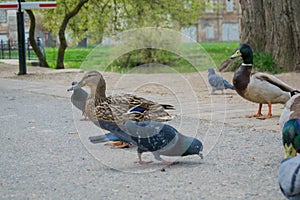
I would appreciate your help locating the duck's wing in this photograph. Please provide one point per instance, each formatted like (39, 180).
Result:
(118, 109)
(140, 109)
(295, 107)
(273, 80)
(291, 110)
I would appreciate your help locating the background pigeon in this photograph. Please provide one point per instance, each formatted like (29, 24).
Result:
(217, 82)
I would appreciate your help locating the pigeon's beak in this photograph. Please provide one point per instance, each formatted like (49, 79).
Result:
(201, 155)
(70, 88)
(236, 54)
(74, 86)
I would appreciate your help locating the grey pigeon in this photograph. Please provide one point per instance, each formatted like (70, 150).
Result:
(289, 177)
(156, 137)
(217, 82)
(78, 98)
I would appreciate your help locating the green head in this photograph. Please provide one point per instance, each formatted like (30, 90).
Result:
(245, 51)
(291, 137)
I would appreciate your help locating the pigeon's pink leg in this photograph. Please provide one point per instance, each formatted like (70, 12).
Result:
(142, 161)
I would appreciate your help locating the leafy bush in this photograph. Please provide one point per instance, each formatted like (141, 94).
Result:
(263, 62)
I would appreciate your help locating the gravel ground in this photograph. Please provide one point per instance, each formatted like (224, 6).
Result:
(42, 158)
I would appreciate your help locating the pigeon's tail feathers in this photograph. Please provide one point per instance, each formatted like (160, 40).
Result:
(104, 138)
(228, 85)
(98, 139)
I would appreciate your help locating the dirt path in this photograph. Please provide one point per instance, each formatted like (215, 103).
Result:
(190, 93)
(242, 155)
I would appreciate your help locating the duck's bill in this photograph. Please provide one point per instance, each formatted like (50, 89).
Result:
(236, 54)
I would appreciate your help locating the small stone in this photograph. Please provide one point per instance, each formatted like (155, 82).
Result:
(163, 170)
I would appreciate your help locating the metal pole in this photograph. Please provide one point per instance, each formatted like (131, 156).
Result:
(21, 41)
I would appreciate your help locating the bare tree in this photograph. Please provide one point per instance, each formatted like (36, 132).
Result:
(35, 47)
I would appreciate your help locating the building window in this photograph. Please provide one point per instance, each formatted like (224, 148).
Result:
(2, 16)
(209, 33)
(229, 5)
(230, 32)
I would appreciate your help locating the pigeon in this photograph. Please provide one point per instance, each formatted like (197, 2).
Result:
(157, 138)
(289, 177)
(217, 82)
(79, 98)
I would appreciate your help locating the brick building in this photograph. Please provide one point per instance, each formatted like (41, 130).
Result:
(219, 22)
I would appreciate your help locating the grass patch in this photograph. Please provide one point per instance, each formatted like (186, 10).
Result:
(192, 57)
(263, 62)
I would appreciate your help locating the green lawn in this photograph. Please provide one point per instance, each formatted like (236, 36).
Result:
(190, 58)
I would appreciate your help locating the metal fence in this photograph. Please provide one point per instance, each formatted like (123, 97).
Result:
(9, 50)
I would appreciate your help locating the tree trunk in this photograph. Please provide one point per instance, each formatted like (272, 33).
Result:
(61, 34)
(273, 27)
(35, 47)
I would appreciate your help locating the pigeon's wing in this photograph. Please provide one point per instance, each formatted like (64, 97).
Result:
(216, 81)
(289, 177)
(150, 136)
(118, 130)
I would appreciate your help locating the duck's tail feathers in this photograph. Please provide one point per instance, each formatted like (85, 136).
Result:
(294, 92)
(168, 107)
(228, 85)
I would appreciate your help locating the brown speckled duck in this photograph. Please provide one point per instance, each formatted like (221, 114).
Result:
(119, 108)
(259, 87)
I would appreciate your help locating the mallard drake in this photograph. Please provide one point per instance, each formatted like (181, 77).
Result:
(290, 124)
(258, 87)
(217, 82)
(291, 137)
(289, 177)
